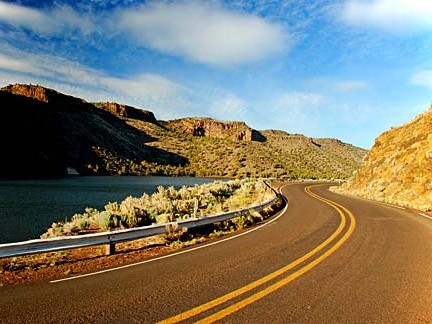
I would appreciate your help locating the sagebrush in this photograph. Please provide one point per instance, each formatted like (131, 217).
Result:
(166, 205)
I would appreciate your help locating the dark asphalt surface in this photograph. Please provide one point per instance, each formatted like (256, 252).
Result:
(381, 274)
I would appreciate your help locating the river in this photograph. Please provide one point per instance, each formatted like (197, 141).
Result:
(29, 207)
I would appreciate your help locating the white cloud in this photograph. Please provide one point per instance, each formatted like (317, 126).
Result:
(422, 78)
(340, 85)
(228, 107)
(23, 17)
(52, 21)
(16, 64)
(203, 32)
(143, 90)
(199, 31)
(398, 16)
(296, 112)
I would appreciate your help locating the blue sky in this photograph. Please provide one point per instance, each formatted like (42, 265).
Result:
(348, 69)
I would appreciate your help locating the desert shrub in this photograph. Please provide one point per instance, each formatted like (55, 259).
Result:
(82, 222)
(169, 205)
(105, 221)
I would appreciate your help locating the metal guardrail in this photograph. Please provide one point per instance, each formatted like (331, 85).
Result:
(110, 238)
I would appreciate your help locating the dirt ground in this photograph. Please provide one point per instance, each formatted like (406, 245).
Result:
(57, 265)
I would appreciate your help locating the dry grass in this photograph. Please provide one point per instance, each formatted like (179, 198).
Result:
(282, 155)
(398, 169)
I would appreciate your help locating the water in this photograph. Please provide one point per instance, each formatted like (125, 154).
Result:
(29, 207)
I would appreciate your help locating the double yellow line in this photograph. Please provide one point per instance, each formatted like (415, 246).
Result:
(343, 214)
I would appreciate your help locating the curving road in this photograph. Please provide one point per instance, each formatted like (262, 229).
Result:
(326, 259)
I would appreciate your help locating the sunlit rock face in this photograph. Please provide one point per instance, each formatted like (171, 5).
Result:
(237, 131)
(127, 111)
(398, 168)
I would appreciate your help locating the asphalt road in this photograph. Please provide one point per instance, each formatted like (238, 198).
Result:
(326, 259)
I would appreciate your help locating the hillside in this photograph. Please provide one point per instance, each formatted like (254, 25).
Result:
(398, 169)
(46, 133)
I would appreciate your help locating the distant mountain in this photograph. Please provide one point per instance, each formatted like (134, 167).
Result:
(398, 169)
(46, 133)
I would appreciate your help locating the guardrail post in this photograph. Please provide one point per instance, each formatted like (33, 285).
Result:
(110, 248)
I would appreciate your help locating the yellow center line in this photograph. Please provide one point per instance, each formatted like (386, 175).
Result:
(229, 310)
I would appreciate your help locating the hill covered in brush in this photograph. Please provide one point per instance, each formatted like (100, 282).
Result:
(398, 168)
(46, 133)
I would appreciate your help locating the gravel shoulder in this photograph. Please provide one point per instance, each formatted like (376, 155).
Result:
(55, 265)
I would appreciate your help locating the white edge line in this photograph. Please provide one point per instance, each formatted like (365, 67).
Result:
(375, 201)
(370, 200)
(424, 215)
(389, 205)
(399, 207)
(177, 253)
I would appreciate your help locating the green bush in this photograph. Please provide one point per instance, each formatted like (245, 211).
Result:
(105, 221)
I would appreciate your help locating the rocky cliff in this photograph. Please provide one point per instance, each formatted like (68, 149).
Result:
(127, 111)
(237, 131)
(43, 94)
(212, 128)
(398, 169)
(45, 133)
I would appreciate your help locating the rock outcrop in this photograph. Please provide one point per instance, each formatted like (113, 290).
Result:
(43, 94)
(237, 131)
(127, 111)
(53, 97)
(398, 169)
(46, 133)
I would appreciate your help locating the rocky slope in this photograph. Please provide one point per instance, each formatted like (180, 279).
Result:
(44, 94)
(237, 131)
(127, 111)
(398, 169)
(45, 133)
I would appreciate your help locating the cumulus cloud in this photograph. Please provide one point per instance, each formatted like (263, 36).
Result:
(399, 16)
(422, 78)
(203, 32)
(195, 30)
(52, 21)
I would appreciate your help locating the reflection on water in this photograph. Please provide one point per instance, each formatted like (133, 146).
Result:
(29, 207)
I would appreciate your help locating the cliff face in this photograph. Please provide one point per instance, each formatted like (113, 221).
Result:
(127, 111)
(45, 133)
(398, 169)
(237, 131)
(43, 94)
(53, 97)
